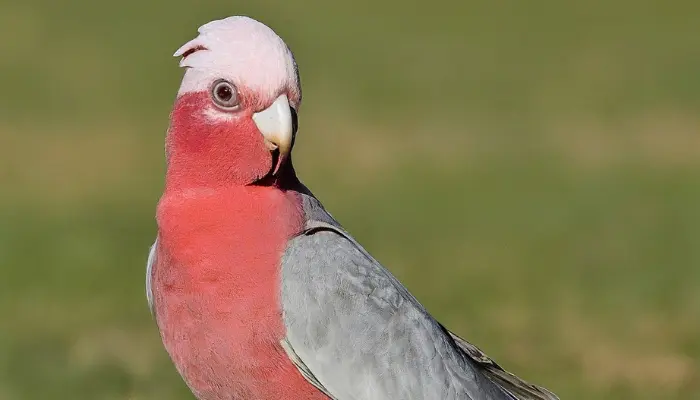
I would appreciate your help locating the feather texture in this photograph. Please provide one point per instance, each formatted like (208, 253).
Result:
(359, 334)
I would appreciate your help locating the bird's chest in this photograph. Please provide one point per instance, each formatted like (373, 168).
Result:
(216, 289)
(221, 329)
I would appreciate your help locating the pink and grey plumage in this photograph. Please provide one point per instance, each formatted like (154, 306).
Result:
(257, 291)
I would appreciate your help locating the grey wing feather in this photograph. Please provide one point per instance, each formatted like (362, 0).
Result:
(149, 271)
(357, 333)
(305, 372)
(516, 387)
(351, 325)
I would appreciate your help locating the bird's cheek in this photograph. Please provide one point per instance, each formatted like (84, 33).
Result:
(246, 150)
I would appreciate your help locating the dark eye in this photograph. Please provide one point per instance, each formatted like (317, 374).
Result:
(224, 94)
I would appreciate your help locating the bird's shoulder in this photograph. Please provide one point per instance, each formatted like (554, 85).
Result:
(351, 324)
(335, 277)
(325, 244)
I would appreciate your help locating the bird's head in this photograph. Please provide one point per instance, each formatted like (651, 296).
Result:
(235, 116)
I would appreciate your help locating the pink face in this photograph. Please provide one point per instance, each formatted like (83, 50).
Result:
(235, 113)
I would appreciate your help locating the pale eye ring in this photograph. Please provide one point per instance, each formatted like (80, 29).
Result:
(224, 94)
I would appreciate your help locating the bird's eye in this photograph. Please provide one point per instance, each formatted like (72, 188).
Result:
(224, 94)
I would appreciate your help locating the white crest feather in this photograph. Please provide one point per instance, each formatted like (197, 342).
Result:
(242, 50)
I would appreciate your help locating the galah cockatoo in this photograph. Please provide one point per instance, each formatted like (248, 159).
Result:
(258, 293)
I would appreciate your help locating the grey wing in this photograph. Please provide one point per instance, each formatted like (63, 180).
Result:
(149, 271)
(515, 386)
(303, 369)
(357, 333)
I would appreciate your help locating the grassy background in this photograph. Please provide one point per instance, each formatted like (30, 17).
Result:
(530, 170)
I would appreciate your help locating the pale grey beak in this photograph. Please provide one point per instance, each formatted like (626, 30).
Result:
(275, 124)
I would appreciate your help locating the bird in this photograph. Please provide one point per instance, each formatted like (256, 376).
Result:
(257, 292)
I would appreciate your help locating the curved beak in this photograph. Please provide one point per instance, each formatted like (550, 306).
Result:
(275, 124)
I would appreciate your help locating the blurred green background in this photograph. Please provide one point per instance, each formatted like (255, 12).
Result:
(530, 170)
